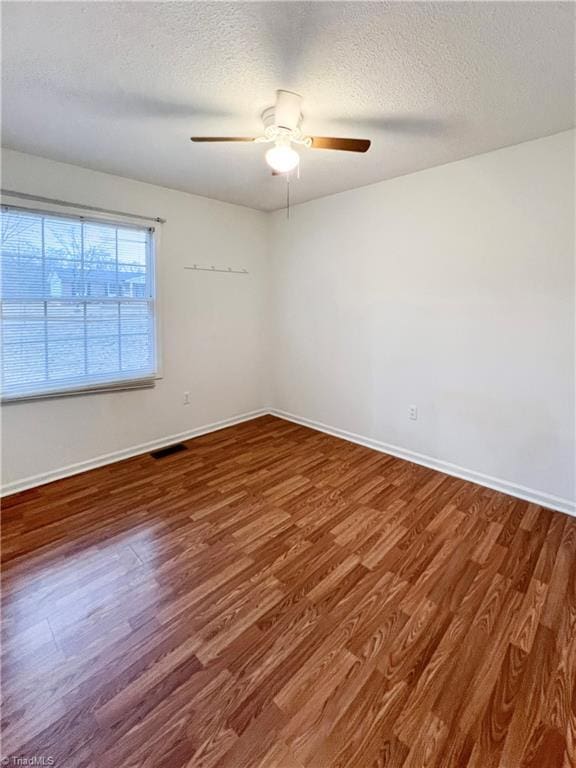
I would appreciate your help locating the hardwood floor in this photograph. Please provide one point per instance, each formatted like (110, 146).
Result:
(273, 596)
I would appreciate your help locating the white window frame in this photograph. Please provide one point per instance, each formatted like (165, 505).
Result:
(111, 385)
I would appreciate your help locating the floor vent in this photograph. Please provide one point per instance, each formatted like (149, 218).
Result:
(161, 453)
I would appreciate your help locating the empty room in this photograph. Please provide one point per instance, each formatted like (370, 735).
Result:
(288, 384)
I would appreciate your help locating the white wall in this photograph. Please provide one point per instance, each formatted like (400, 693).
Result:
(213, 326)
(451, 289)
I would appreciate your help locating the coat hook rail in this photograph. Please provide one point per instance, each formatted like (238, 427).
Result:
(198, 268)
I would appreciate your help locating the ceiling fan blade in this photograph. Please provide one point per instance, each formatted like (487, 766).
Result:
(287, 111)
(222, 138)
(346, 145)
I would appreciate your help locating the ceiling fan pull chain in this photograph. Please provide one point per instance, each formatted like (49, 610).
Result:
(288, 196)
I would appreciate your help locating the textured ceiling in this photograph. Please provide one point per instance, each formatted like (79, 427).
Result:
(120, 87)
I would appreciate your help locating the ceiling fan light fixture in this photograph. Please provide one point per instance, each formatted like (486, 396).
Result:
(282, 158)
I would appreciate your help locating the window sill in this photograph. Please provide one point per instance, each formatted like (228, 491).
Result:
(123, 386)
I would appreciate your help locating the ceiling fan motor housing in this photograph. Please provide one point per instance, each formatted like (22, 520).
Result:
(269, 119)
(282, 121)
(287, 112)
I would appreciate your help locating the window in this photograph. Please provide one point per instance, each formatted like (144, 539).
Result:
(77, 304)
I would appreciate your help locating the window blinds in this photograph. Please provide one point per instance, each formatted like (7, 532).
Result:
(77, 304)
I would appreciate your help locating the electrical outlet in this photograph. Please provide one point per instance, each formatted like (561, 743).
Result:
(413, 412)
(186, 398)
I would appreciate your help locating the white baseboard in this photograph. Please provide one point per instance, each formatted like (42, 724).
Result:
(495, 483)
(127, 453)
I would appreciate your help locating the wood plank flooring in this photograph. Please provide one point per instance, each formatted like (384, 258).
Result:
(275, 597)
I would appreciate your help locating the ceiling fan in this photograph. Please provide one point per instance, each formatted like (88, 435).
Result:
(282, 128)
